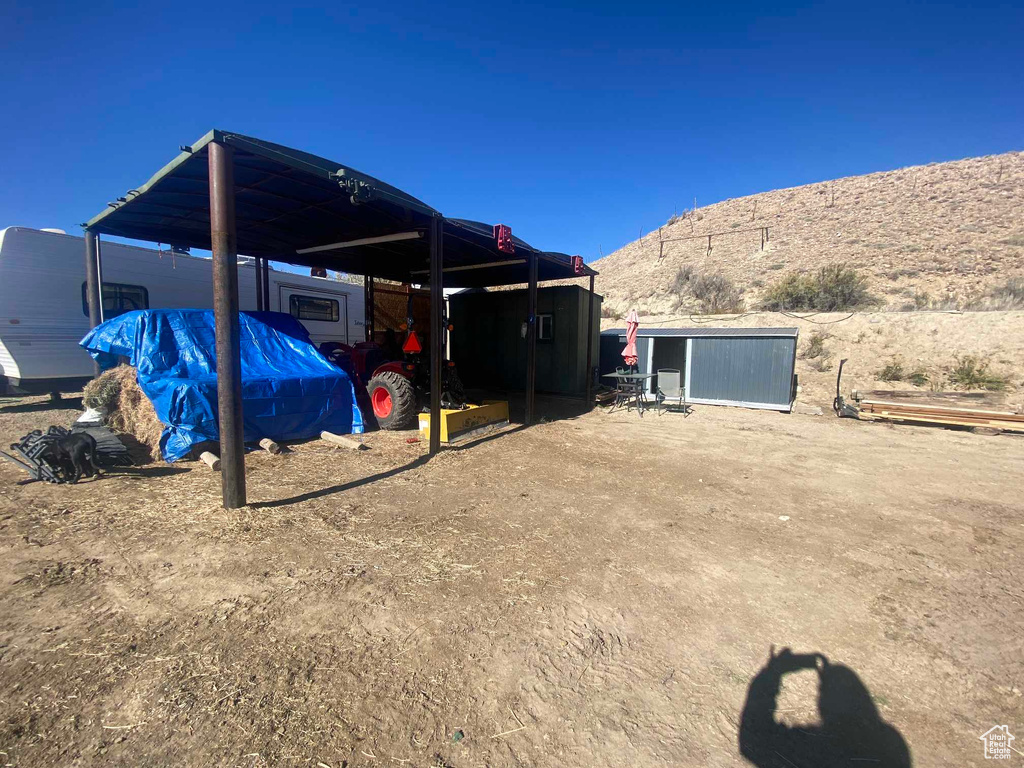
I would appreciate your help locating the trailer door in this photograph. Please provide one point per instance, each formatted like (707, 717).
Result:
(323, 313)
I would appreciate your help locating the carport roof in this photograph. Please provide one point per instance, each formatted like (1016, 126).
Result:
(287, 201)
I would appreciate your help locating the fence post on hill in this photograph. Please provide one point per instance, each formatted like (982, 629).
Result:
(223, 238)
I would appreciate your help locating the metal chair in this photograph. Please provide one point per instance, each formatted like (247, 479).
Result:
(620, 395)
(633, 392)
(628, 391)
(670, 391)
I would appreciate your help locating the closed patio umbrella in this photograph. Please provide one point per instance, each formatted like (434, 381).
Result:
(629, 352)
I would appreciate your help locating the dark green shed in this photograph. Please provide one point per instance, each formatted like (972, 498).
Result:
(488, 338)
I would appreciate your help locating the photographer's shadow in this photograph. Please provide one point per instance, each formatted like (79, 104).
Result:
(851, 732)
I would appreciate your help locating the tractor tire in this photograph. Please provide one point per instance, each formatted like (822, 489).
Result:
(393, 400)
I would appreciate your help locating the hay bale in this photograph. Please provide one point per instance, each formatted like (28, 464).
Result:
(102, 392)
(129, 411)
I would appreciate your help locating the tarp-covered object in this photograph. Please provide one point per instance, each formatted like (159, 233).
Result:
(289, 390)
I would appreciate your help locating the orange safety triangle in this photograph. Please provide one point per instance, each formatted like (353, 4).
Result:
(412, 344)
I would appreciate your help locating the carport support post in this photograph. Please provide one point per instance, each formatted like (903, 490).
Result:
(258, 264)
(266, 284)
(531, 341)
(366, 307)
(371, 307)
(99, 278)
(436, 315)
(590, 345)
(92, 286)
(225, 307)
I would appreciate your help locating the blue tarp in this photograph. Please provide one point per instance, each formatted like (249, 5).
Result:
(289, 390)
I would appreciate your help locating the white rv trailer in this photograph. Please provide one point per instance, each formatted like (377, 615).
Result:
(43, 313)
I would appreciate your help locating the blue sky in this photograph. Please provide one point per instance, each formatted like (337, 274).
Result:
(576, 124)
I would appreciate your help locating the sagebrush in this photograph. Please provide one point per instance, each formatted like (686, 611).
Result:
(833, 288)
(816, 345)
(894, 370)
(1003, 297)
(971, 372)
(713, 292)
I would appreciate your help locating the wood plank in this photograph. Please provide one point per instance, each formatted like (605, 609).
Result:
(992, 424)
(344, 442)
(947, 419)
(939, 414)
(269, 445)
(923, 407)
(991, 398)
(211, 460)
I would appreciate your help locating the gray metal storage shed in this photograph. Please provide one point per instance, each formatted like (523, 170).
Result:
(488, 345)
(749, 367)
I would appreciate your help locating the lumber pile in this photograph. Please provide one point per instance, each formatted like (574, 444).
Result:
(993, 401)
(881, 410)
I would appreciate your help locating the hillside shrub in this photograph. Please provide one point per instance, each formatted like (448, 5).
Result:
(1004, 297)
(794, 291)
(816, 345)
(833, 288)
(894, 371)
(891, 371)
(681, 282)
(713, 291)
(818, 356)
(918, 378)
(716, 294)
(971, 372)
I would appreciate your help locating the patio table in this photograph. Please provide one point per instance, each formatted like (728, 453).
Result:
(630, 385)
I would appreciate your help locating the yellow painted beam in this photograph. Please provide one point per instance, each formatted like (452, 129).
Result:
(461, 424)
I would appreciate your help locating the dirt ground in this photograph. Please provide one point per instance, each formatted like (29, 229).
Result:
(593, 591)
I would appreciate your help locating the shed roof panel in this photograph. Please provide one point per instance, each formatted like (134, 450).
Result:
(693, 333)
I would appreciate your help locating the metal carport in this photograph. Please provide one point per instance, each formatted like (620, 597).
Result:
(234, 194)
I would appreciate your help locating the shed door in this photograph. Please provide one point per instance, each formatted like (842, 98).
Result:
(323, 313)
(757, 371)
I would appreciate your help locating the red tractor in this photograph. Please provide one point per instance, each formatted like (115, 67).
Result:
(399, 389)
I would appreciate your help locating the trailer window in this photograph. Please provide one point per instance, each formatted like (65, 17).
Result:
(119, 298)
(312, 308)
(545, 327)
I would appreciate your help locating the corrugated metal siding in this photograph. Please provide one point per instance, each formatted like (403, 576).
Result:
(609, 358)
(643, 352)
(490, 352)
(744, 370)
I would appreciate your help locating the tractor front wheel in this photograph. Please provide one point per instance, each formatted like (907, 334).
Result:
(393, 400)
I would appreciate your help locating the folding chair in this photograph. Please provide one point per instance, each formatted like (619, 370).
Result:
(670, 391)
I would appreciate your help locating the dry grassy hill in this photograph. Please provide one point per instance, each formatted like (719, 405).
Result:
(933, 236)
